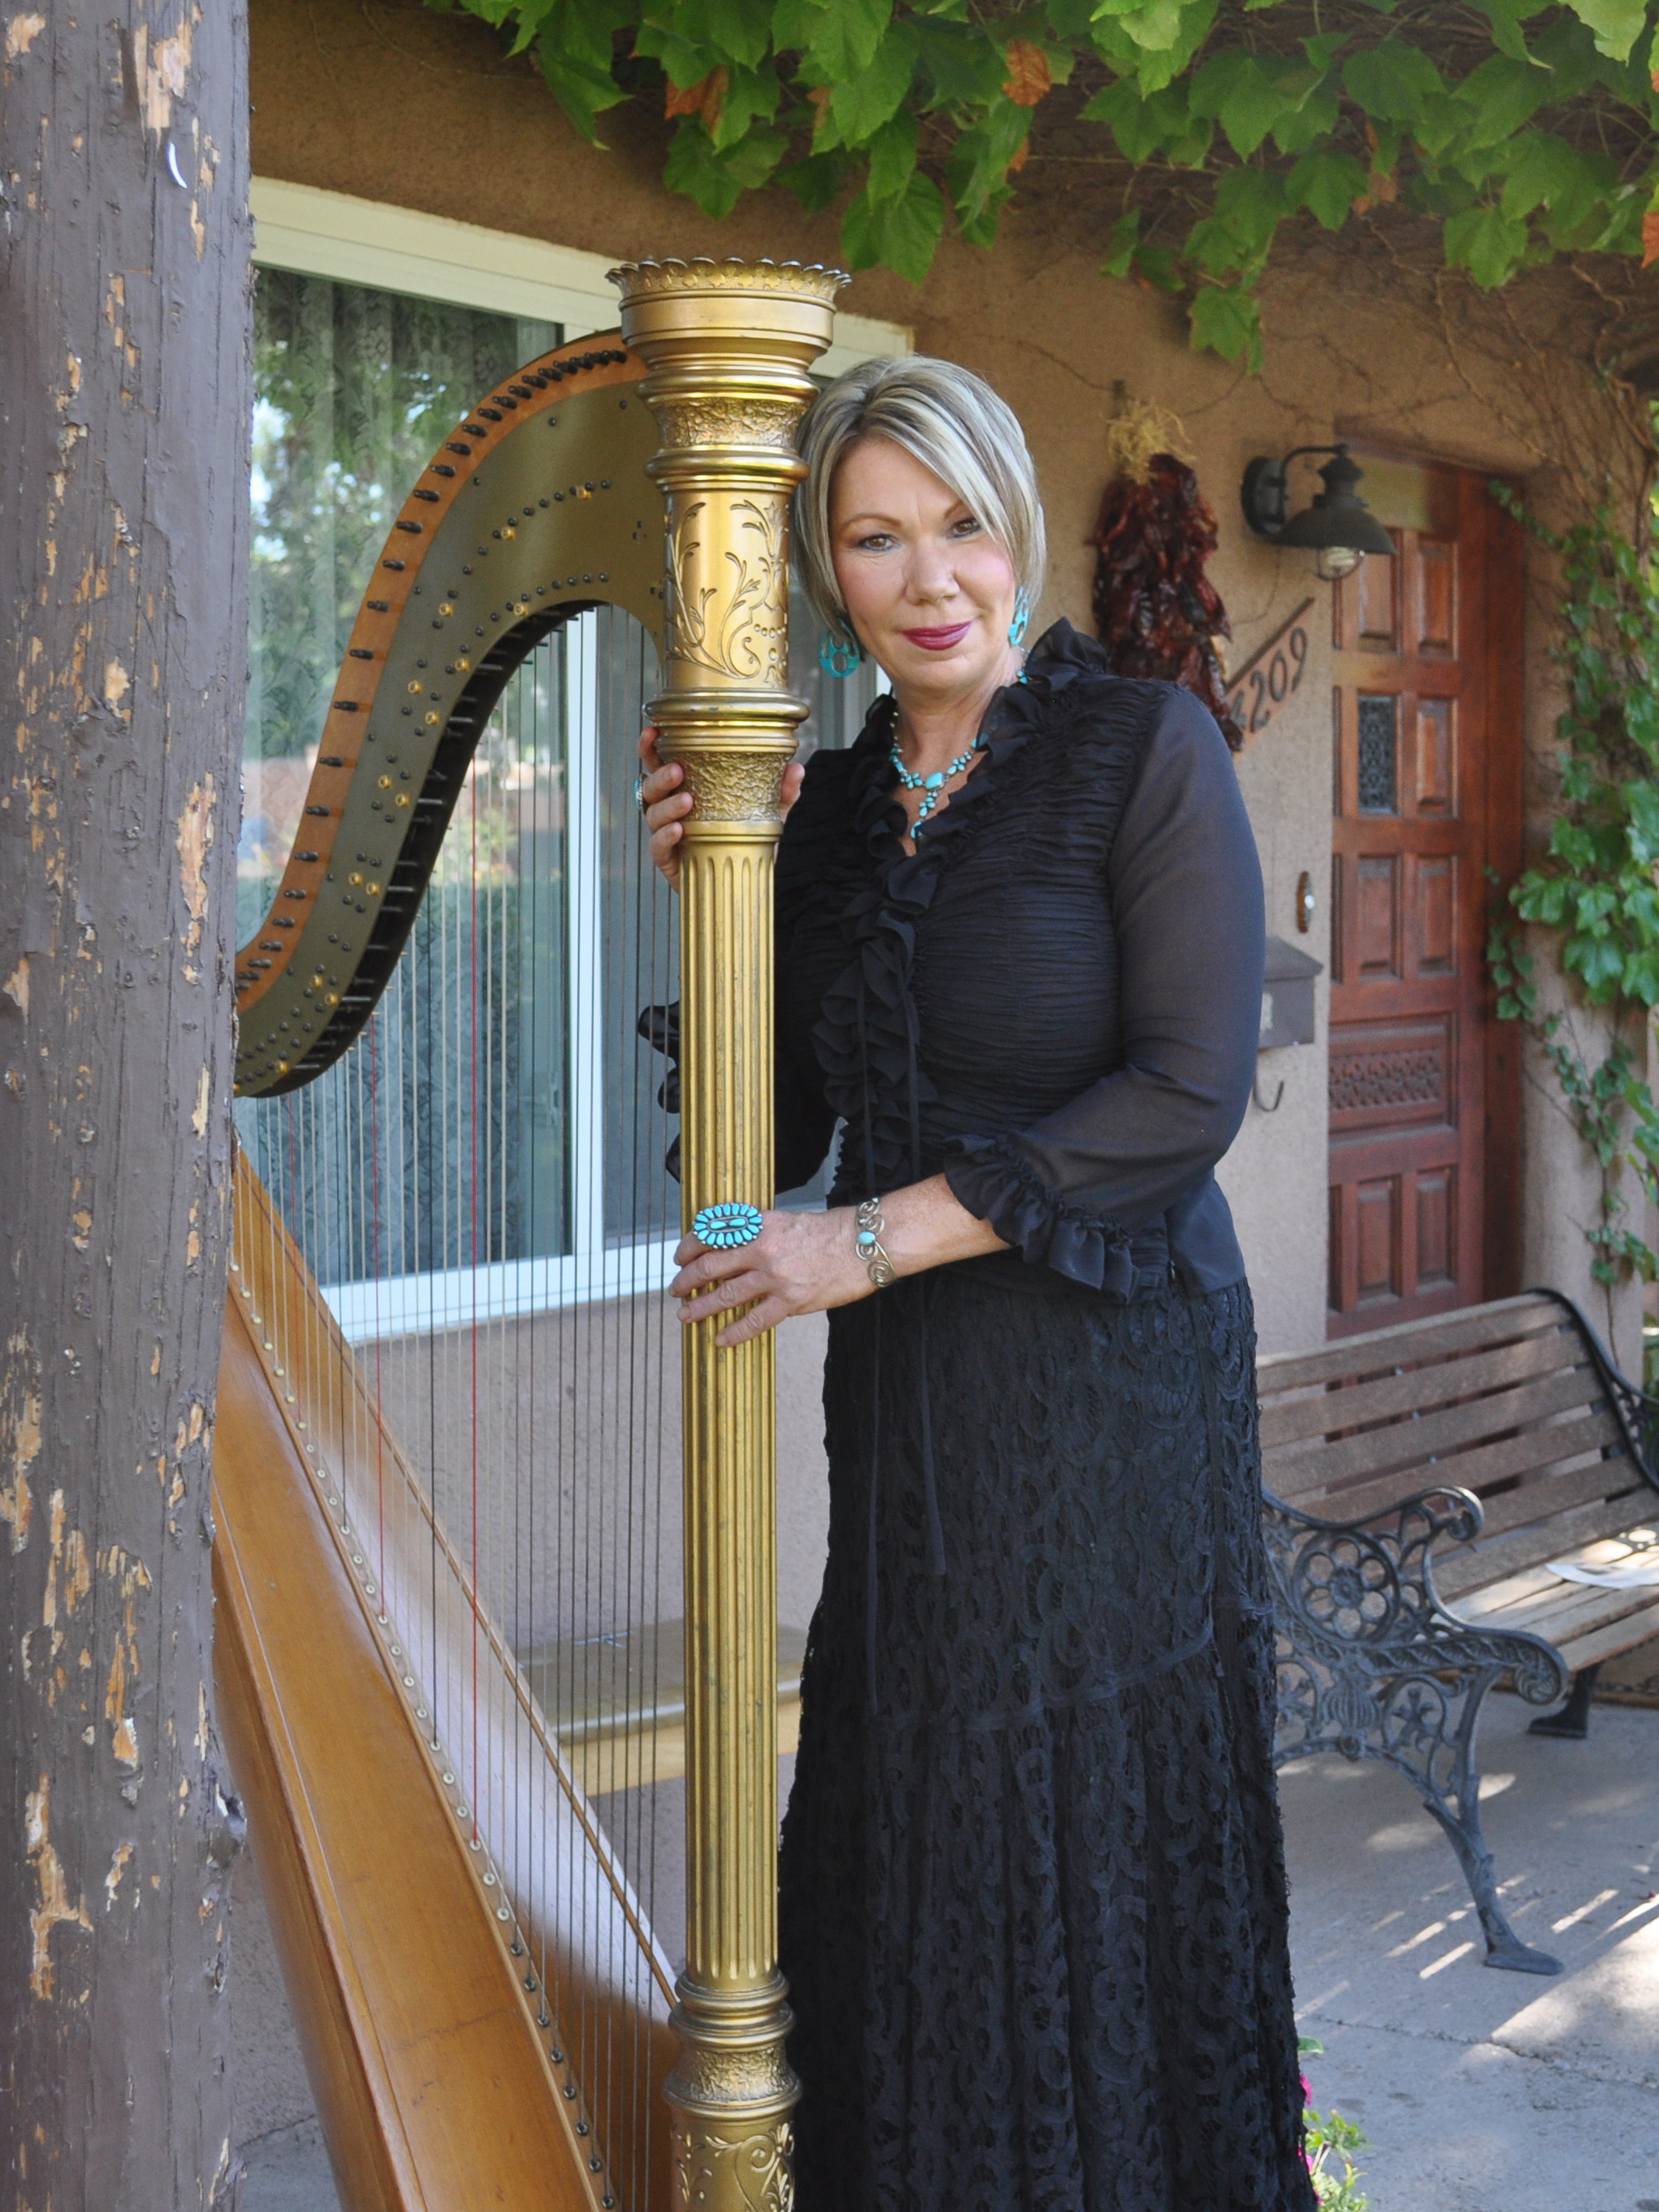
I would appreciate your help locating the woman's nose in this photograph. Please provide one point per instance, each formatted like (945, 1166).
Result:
(931, 579)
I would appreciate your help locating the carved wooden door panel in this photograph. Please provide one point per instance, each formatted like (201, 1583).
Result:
(1408, 1047)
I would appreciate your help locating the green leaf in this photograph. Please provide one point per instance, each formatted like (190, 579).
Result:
(718, 181)
(1544, 170)
(1328, 182)
(1138, 56)
(1162, 123)
(862, 105)
(817, 181)
(1506, 17)
(1227, 321)
(1615, 25)
(1121, 246)
(682, 63)
(1486, 243)
(892, 157)
(1249, 204)
(1501, 96)
(583, 91)
(1317, 118)
(979, 161)
(902, 232)
(839, 40)
(1391, 82)
(741, 29)
(1155, 24)
(964, 65)
(751, 95)
(1238, 92)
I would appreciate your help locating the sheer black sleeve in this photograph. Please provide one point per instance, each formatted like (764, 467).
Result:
(1187, 903)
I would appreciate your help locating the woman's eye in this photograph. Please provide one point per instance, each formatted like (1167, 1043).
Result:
(877, 542)
(968, 528)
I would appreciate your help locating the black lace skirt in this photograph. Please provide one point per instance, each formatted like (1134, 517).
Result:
(1033, 1892)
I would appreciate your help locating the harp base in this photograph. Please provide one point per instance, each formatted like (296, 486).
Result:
(732, 2095)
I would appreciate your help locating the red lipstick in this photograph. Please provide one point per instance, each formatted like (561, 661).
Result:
(938, 641)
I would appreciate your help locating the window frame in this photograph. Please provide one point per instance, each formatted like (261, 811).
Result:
(389, 248)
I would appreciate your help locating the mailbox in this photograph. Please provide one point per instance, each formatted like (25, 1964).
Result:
(1287, 996)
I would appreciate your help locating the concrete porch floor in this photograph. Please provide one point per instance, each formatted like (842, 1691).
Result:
(1480, 2091)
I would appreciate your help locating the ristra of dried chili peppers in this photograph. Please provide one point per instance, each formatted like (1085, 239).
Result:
(1156, 611)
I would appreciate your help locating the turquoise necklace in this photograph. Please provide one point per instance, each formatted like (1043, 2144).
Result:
(931, 786)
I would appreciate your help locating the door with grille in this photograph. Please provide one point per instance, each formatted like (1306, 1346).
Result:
(1425, 798)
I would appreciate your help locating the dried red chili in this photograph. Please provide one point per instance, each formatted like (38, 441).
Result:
(1156, 611)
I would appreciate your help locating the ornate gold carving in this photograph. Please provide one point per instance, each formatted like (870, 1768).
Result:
(639, 279)
(728, 2172)
(734, 787)
(741, 422)
(735, 626)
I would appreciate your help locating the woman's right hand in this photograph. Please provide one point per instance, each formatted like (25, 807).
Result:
(665, 802)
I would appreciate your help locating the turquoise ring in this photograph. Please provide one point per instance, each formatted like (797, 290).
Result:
(725, 1226)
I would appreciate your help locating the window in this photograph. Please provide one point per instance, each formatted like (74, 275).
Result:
(493, 1143)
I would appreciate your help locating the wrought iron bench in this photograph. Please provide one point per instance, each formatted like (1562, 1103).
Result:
(1507, 1429)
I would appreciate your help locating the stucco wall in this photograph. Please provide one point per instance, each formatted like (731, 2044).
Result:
(395, 102)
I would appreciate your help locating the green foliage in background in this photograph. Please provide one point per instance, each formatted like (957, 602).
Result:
(1524, 131)
(1332, 2143)
(1594, 890)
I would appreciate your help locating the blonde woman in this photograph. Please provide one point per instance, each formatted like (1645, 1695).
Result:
(1033, 1897)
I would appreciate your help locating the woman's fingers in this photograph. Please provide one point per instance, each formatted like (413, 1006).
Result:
(794, 776)
(733, 1291)
(766, 1315)
(664, 802)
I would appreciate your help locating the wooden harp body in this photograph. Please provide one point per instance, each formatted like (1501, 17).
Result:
(439, 1666)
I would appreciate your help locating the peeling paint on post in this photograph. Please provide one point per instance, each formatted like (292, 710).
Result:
(125, 401)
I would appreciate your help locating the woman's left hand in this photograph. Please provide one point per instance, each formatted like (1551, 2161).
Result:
(800, 1263)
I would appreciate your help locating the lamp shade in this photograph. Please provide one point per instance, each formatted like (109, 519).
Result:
(1338, 515)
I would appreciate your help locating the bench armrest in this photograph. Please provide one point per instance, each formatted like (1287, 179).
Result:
(1346, 1588)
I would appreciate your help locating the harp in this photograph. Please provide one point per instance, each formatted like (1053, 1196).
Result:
(443, 1467)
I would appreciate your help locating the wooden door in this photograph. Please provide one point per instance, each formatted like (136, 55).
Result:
(1425, 796)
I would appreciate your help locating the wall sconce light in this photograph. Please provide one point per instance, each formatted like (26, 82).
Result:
(1339, 526)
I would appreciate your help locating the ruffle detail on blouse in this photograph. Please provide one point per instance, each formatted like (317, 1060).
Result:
(992, 1178)
(866, 1038)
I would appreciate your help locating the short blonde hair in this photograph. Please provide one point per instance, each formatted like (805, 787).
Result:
(952, 422)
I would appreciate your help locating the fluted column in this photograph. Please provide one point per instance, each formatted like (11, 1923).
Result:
(729, 344)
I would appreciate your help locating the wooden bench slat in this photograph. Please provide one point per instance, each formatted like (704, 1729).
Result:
(1540, 1602)
(1474, 1566)
(1414, 1443)
(1559, 1487)
(1417, 1389)
(1301, 1471)
(1379, 1350)
(1536, 1453)
(1589, 1649)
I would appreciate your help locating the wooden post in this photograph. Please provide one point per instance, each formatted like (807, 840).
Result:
(125, 394)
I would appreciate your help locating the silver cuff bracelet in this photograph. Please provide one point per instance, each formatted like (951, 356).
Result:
(868, 1245)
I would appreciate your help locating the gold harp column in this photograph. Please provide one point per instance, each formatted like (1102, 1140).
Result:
(728, 345)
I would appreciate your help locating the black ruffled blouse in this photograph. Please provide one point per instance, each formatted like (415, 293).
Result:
(1054, 1000)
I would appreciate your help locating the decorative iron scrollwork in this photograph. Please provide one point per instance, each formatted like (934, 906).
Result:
(1372, 1665)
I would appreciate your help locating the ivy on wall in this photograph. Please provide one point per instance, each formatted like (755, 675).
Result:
(1594, 890)
(1523, 131)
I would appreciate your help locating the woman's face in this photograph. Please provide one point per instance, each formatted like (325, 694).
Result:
(930, 591)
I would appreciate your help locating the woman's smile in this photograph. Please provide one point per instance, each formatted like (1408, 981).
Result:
(938, 641)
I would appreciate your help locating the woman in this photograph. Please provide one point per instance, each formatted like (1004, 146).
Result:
(1033, 1909)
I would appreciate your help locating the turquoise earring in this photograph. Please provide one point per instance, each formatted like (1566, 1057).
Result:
(1022, 617)
(835, 656)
